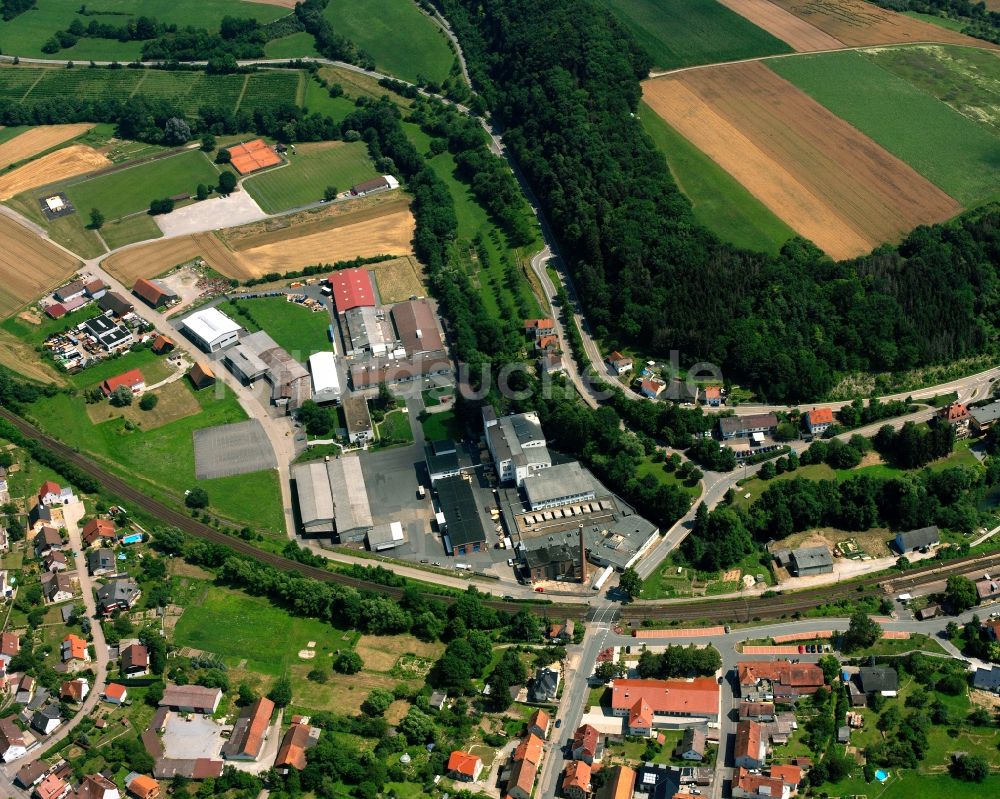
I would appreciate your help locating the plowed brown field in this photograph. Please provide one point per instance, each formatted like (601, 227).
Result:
(827, 180)
(29, 266)
(65, 163)
(37, 140)
(150, 260)
(799, 34)
(857, 23)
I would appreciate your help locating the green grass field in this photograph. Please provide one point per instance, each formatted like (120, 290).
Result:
(396, 427)
(25, 34)
(891, 111)
(229, 624)
(139, 227)
(965, 78)
(719, 201)
(441, 425)
(295, 45)
(187, 90)
(309, 172)
(402, 39)
(69, 231)
(318, 100)
(131, 190)
(300, 331)
(647, 466)
(943, 22)
(683, 33)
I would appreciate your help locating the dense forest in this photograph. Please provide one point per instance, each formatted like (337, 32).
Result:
(563, 78)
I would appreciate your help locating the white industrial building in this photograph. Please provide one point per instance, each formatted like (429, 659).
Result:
(332, 498)
(563, 484)
(211, 329)
(517, 446)
(326, 380)
(386, 536)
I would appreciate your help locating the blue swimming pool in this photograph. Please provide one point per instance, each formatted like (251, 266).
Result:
(881, 776)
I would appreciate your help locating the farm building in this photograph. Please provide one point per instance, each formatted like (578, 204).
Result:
(325, 377)
(357, 417)
(116, 303)
(416, 327)
(918, 539)
(463, 526)
(154, 292)
(332, 498)
(70, 291)
(109, 335)
(250, 731)
(211, 329)
(299, 738)
(375, 185)
(201, 376)
(804, 561)
(368, 330)
(191, 699)
(95, 289)
(252, 156)
(142, 787)
(132, 378)
(352, 288)
(258, 355)
(401, 370)
(56, 310)
(163, 344)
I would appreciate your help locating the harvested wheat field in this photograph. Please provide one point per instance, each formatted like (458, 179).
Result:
(795, 31)
(29, 266)
(829, 182)
(38, 140)
(20, 357)
(386, 234)
(858, 23)
(150, 260)
(65, 163)
(399, 279)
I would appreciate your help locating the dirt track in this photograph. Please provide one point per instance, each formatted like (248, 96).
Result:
(37, 140)
(65, 163)
(153, 259)
(29, 266)
(855, 22)
(828, 181)
(796, 32)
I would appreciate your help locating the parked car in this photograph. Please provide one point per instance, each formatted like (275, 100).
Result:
(540, 590)
(802, 649)
(558, 723)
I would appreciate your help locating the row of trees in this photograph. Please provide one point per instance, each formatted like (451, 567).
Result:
(562, 77)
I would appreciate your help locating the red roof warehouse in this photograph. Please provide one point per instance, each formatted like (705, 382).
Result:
(352, 288)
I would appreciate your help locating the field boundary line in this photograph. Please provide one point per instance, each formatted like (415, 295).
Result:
(142, 80)
(300, 90)
(32, 86)
(852, 48)
(243, 91)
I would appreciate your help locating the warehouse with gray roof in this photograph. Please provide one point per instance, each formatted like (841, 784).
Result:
(333, 499)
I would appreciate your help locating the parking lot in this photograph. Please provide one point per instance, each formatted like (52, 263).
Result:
(191, 736)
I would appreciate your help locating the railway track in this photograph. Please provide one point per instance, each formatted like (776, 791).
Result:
(123, 490)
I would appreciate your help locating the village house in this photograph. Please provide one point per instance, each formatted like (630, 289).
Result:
(538, 724)
(692, 744)
(545, 685)
(52, 494)
(59, 586)
(756, 711)
(987, 589)
(132, 379)
(619, 363)
(47, 539)
(819, 420)
(878, 680)
(576, 780)
(586, 744)
(619, 784)
(757, 424)
(28, 776)
(98, 529)
(115, 694)
(55, 561)
(47, 719)
(74, 648)
(922, 538)
(74, 690)
(957, 415)
(142, 786)
(652, 387)
(134, 661)
(25, 689)
(712, 396)
(191, 699)
(13, 743)
(299, 738)
(100, 562)
(539, 327)
(121, 593)
(464, 767)
(10, 645)
(521, 775)
(751, 745)
(777, 680)
(52, 787)
(97, 786)
(750, 785)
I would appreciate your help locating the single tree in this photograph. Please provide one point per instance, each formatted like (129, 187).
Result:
(202, 192)
(121, 397)
(970, 768)
(96, 219)
(223, 157)
(196, 498)
(348, 661)
(960, 594)
(148, 402)
(630, 582)
(281, 692)
(208, 142)
(176, 131)
(862, 632)
(227, 182)
(330, 193)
